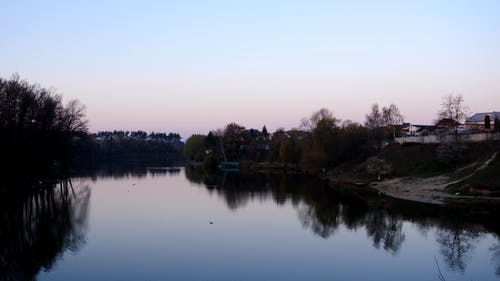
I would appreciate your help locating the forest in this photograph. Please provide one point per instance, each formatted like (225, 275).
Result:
(129, 147)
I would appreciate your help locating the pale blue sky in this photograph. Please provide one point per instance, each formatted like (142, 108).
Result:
(191, 66)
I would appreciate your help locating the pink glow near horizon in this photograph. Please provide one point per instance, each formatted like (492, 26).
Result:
(190, 66)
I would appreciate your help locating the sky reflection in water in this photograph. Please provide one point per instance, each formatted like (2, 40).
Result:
(154, 224)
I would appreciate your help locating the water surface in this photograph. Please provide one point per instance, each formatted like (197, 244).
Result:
(180, 224)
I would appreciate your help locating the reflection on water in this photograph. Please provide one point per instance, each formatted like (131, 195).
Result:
(146, 221)
(117, 171)
(456, 246)
(36, 229)
(496, 257)
(324, 209)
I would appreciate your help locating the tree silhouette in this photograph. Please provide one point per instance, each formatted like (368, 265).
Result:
(453, 108)
(487, 122)
(35, 128)
(234, 141)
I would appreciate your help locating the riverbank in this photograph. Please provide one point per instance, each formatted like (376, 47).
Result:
(476, 182)
(458, 174)
(432, 190)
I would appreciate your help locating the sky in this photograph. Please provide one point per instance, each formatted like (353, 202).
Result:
(193, 66)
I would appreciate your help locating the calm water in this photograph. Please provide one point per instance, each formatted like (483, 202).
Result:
(178, 224)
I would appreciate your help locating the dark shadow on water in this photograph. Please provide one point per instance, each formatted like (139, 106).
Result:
(37, 228)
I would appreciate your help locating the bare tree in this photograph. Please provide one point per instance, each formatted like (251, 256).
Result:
(391, 115)
(73, 117)
(379, 121)
(387, 116)
(374, 118)
(453, 109)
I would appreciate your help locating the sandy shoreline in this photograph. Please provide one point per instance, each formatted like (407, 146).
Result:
(426, 190)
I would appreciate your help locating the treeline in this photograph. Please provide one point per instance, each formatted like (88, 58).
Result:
(36, 128)
(321, 141)
(130, 147)
(40, 136)
(140, 135)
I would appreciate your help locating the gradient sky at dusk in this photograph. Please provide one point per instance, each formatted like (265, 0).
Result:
(192, 66)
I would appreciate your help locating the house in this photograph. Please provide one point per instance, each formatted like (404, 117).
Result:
(401, 130)
(447, 123)
(477, 121)
(407, 129)
(421, 130)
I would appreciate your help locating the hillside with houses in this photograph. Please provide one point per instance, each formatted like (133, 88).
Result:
(482, 126)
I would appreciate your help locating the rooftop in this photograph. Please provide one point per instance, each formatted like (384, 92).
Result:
(479, 117)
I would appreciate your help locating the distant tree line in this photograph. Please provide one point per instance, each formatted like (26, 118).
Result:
(36, 128)
(130, 146)
(321, 141)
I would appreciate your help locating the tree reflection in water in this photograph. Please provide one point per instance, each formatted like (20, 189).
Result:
(36, 229)
(495, 249)
(385, 230)
(456, 246)
(320, 208)
(120, 171)
(324, 209)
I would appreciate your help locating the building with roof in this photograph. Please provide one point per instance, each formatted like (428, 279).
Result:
(477, 121)
(422, 130)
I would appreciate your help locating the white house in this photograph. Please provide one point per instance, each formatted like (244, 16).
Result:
(421, 130)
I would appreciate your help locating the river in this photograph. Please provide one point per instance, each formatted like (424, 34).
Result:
(181, 224)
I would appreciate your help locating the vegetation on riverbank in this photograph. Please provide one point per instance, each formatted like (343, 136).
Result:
(320, 143)
(38, 131)
(447, 173)
(41, 137)
(36, 128)
(347, 152)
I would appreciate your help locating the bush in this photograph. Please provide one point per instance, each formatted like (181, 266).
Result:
(378, 167)
(194, 148)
